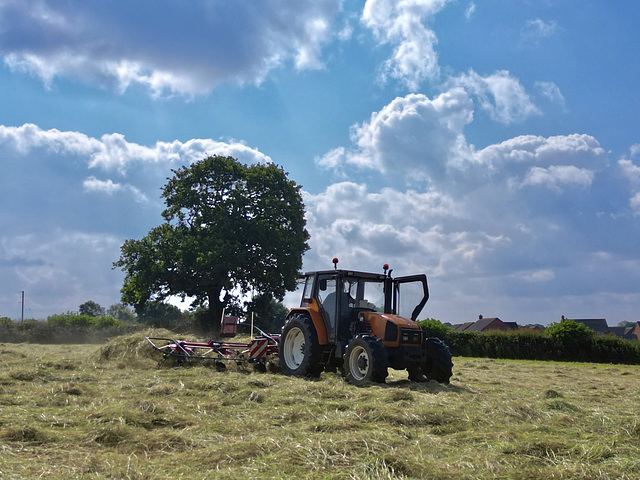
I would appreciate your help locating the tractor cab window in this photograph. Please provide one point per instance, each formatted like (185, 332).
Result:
(327, 298)
(411, 293)
(365, 293)
(307, 293)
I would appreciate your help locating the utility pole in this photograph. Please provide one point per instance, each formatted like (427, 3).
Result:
(23, 305)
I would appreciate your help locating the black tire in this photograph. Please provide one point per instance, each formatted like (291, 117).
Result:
(439, 365)
(416, 374)
(299, 351)
(365, 360)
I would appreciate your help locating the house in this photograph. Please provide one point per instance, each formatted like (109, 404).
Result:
(635, 331)
(598, 325)
(623, 332)
(486, 324)
(461, 327)
(533, 328)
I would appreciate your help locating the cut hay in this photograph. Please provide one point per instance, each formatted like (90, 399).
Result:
(133, 349)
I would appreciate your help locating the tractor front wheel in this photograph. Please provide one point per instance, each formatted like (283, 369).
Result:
(299, 351)
(439, 366)
(365, 360)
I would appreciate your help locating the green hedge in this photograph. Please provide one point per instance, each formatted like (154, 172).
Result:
(554, 344)
(65, 328)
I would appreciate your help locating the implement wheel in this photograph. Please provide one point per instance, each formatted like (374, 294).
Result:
(298, 351)
(365, 360)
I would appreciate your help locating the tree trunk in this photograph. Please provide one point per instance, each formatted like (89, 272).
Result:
(216, 309)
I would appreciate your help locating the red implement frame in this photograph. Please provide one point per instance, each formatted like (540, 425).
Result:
(258, 351)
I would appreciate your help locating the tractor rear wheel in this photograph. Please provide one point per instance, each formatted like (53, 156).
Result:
(299, 351)
(365, 360)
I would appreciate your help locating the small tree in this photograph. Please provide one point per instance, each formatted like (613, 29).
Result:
(121, 312)
(269, 314)
(569, 332)
(92, 309)
(229, 228)
(161, 314)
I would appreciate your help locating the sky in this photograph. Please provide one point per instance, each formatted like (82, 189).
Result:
(493, 145)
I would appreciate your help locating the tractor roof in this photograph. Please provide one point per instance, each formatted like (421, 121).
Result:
(347, 273)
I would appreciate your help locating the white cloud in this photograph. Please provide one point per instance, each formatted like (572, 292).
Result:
(500, 94)
(416, 140)
(556, 175)
(537, 29)
(404, 25)
(579, 149)
(469, 12)
(538, 275)
(413, 136)
(550, 91)
(203, 44)
(108, 187)
(634, 202)
(113, 153)
(629, 170)
(632, 173)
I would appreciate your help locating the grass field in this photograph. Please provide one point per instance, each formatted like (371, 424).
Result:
(112, 413)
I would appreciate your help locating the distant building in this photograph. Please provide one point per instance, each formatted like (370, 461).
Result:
(635, 331)
(598, 325)
(484, 325)
(461, 327)
(533, 328)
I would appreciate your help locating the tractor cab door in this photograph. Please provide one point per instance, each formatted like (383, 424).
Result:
(410, 294)
(328, 299)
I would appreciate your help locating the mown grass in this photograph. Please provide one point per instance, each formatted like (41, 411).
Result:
(114, 412)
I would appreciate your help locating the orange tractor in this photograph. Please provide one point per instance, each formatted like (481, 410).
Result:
(362, 324)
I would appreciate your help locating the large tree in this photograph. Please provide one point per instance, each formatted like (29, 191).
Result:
(228, 229)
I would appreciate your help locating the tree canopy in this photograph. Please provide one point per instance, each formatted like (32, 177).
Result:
(91, 308)
(228, 229)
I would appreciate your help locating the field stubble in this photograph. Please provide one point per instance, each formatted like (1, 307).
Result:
(113, 412)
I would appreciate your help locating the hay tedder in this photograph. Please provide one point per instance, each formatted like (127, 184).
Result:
(260, 352)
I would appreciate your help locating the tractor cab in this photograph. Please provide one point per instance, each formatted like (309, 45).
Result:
(340, 297)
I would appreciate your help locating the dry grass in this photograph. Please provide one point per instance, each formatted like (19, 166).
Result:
(111, 413)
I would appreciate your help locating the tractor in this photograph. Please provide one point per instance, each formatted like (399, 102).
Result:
(361, 324)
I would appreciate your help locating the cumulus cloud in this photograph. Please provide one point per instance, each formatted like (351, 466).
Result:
(500, 94)
(632, 173)
(404, 25)
(414, 136)
(556, 175)
(112, 152)
(417, 140)
(188, 50)
(108, 187)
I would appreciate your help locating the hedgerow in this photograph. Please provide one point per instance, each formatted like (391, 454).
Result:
(560, 342)
(64, 328)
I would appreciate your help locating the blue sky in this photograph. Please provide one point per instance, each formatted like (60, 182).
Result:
(492, 145)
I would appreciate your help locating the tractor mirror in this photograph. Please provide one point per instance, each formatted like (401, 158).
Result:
(322, 284)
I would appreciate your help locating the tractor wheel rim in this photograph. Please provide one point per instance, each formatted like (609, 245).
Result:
(294, 348)
(359, 363)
